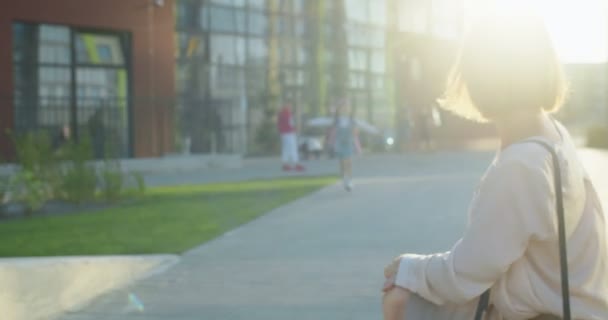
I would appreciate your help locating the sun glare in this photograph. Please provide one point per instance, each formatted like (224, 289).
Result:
(578, 28)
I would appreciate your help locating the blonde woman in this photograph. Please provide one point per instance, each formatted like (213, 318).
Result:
(508, 74)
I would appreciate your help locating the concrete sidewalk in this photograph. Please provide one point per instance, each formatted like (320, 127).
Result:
(43, 288)
(270, 168)
(251, 169)
(320, 257)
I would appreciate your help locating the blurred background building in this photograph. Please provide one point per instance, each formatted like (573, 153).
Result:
(157, 77)
(96, 66)
(237, 60)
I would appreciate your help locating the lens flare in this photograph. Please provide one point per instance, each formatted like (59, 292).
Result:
(135, 303)
(578, 28)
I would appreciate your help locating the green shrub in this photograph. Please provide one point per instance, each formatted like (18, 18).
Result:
(37, 180)
(33, 150)
(141, 183)
(35, 154)
(112, 184)
(3, 188)
(79, 184)
(30, 190)
(66, 173)
(267, 137)
(597, 137)
(79, 178)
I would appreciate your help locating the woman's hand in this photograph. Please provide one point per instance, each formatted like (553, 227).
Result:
(389, 284)
(391, 269)
(390, 273)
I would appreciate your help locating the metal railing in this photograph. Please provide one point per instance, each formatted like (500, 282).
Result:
(117, 126)
(105, 121)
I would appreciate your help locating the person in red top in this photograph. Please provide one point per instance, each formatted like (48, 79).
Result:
(289, 145)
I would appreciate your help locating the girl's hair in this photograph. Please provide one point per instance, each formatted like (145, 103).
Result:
(507, 64)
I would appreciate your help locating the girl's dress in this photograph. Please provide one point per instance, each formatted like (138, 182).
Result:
(344, 138)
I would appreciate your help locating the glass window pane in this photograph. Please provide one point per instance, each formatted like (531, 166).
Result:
(53, 98)
(181, 44)
(299, 6)
(222, 2)
(413, 16)
(377, 12)
(258, 4)
(359, 35)
(234, 3)
(357, 59)
(240, 21)
(289, 53)
(302, 56)
(203, 18)
(240, 50)
(185, 73)
(328, 6)
(228, 20)
(329, 57)
(258, 52)
(227, 50)
(227, 80)
(293, 77)
(57, 34)
(288, 26)
(356, 10)
(284, 6)
(186, 14)
(378, 84)
(19, 34)
(377, 37)
(24, 42)
(354, 80)
(301, 77)
(257, 23)
(378, 61)
(223, 19)
(254, 74)
(300, 27)
(54, 44)
(52, 78)
(284, 25)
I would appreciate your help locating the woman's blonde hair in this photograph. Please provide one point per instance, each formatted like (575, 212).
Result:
(507, 64)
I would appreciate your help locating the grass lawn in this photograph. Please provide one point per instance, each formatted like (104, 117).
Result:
(166, 220)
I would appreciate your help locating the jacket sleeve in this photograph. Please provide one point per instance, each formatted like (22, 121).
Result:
(514, 203)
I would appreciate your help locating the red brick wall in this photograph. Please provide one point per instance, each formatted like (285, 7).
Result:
(152, 57)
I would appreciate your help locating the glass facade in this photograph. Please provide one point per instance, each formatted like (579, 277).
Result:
(219, 44)
(224, 51)
(67, 77)
(440, 18)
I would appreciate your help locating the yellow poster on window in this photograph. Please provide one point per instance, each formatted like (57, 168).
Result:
(90, 44)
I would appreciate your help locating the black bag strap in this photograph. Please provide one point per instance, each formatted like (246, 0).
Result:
(561, 229)
(484, 301)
